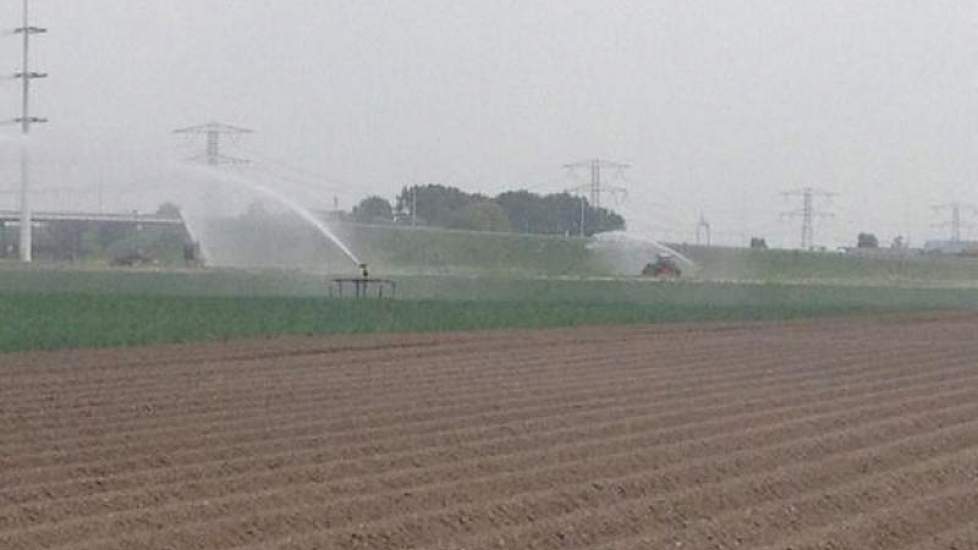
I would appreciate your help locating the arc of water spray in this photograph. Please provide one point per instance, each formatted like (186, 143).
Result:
(194, 236)
(674, 252)
(610, 238)
(285, 201)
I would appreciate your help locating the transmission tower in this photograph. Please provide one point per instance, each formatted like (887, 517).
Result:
(807, 212)
(596, 187)
(26, 120)
(214, 131)
(703, 229)
(955, 222)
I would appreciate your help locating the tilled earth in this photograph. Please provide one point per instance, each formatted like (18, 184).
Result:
(858, 433)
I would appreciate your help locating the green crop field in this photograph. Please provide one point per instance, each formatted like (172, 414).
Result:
(833, 267)
(440, 251)
(52, 308)
(405, 250)
(78, 320)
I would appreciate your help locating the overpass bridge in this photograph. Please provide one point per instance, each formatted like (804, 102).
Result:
(70, 247)
(8, 216)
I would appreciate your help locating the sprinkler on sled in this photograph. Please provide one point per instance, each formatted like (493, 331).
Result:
(363, 286)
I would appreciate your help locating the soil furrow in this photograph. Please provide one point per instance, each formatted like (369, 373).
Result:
(837, 433)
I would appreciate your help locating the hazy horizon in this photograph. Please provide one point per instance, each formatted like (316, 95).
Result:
(718, 107)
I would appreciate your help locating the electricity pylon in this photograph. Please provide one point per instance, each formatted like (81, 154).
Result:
(213, 132)
(596, 187)
(807, 212)
(703, 229)
(955, 222)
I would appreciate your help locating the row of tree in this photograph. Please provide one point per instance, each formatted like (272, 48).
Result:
(512, 211)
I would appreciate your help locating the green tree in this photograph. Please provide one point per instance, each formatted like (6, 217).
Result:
(524, 212)
(556, 214)
(867, 240)
(600, 220)
(169, 210)
(436, 204)
(373, 210)
(484, 215)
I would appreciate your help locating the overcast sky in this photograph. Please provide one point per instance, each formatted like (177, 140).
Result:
(718, 105)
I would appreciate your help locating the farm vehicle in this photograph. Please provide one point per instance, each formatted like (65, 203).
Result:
(133, 258)
(664, 266)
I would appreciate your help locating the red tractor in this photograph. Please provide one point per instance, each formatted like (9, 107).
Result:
(664, 266)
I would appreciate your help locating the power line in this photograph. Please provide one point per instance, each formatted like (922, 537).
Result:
(807, 212)
(308, 179)
(315, 190)
(308, 174)
(305, 182)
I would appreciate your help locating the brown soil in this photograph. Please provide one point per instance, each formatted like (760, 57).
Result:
(858, 433)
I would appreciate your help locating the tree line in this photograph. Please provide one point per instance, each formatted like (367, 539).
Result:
(513, 211)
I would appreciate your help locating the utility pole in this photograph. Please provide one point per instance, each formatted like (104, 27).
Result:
(26, 120)
(703, 227)
(583, 208)
(955, 222)
(807, 212)
(214, 131)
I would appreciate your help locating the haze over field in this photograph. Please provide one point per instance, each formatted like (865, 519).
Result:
(364, 310)
(718, 106)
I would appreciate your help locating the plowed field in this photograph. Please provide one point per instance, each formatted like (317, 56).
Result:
(855, 434)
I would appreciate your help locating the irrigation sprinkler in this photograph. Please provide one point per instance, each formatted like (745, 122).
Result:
(363, 286)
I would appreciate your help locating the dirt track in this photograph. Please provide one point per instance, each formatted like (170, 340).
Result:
(855, 434)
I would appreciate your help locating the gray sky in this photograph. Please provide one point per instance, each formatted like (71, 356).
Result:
(718, 105)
